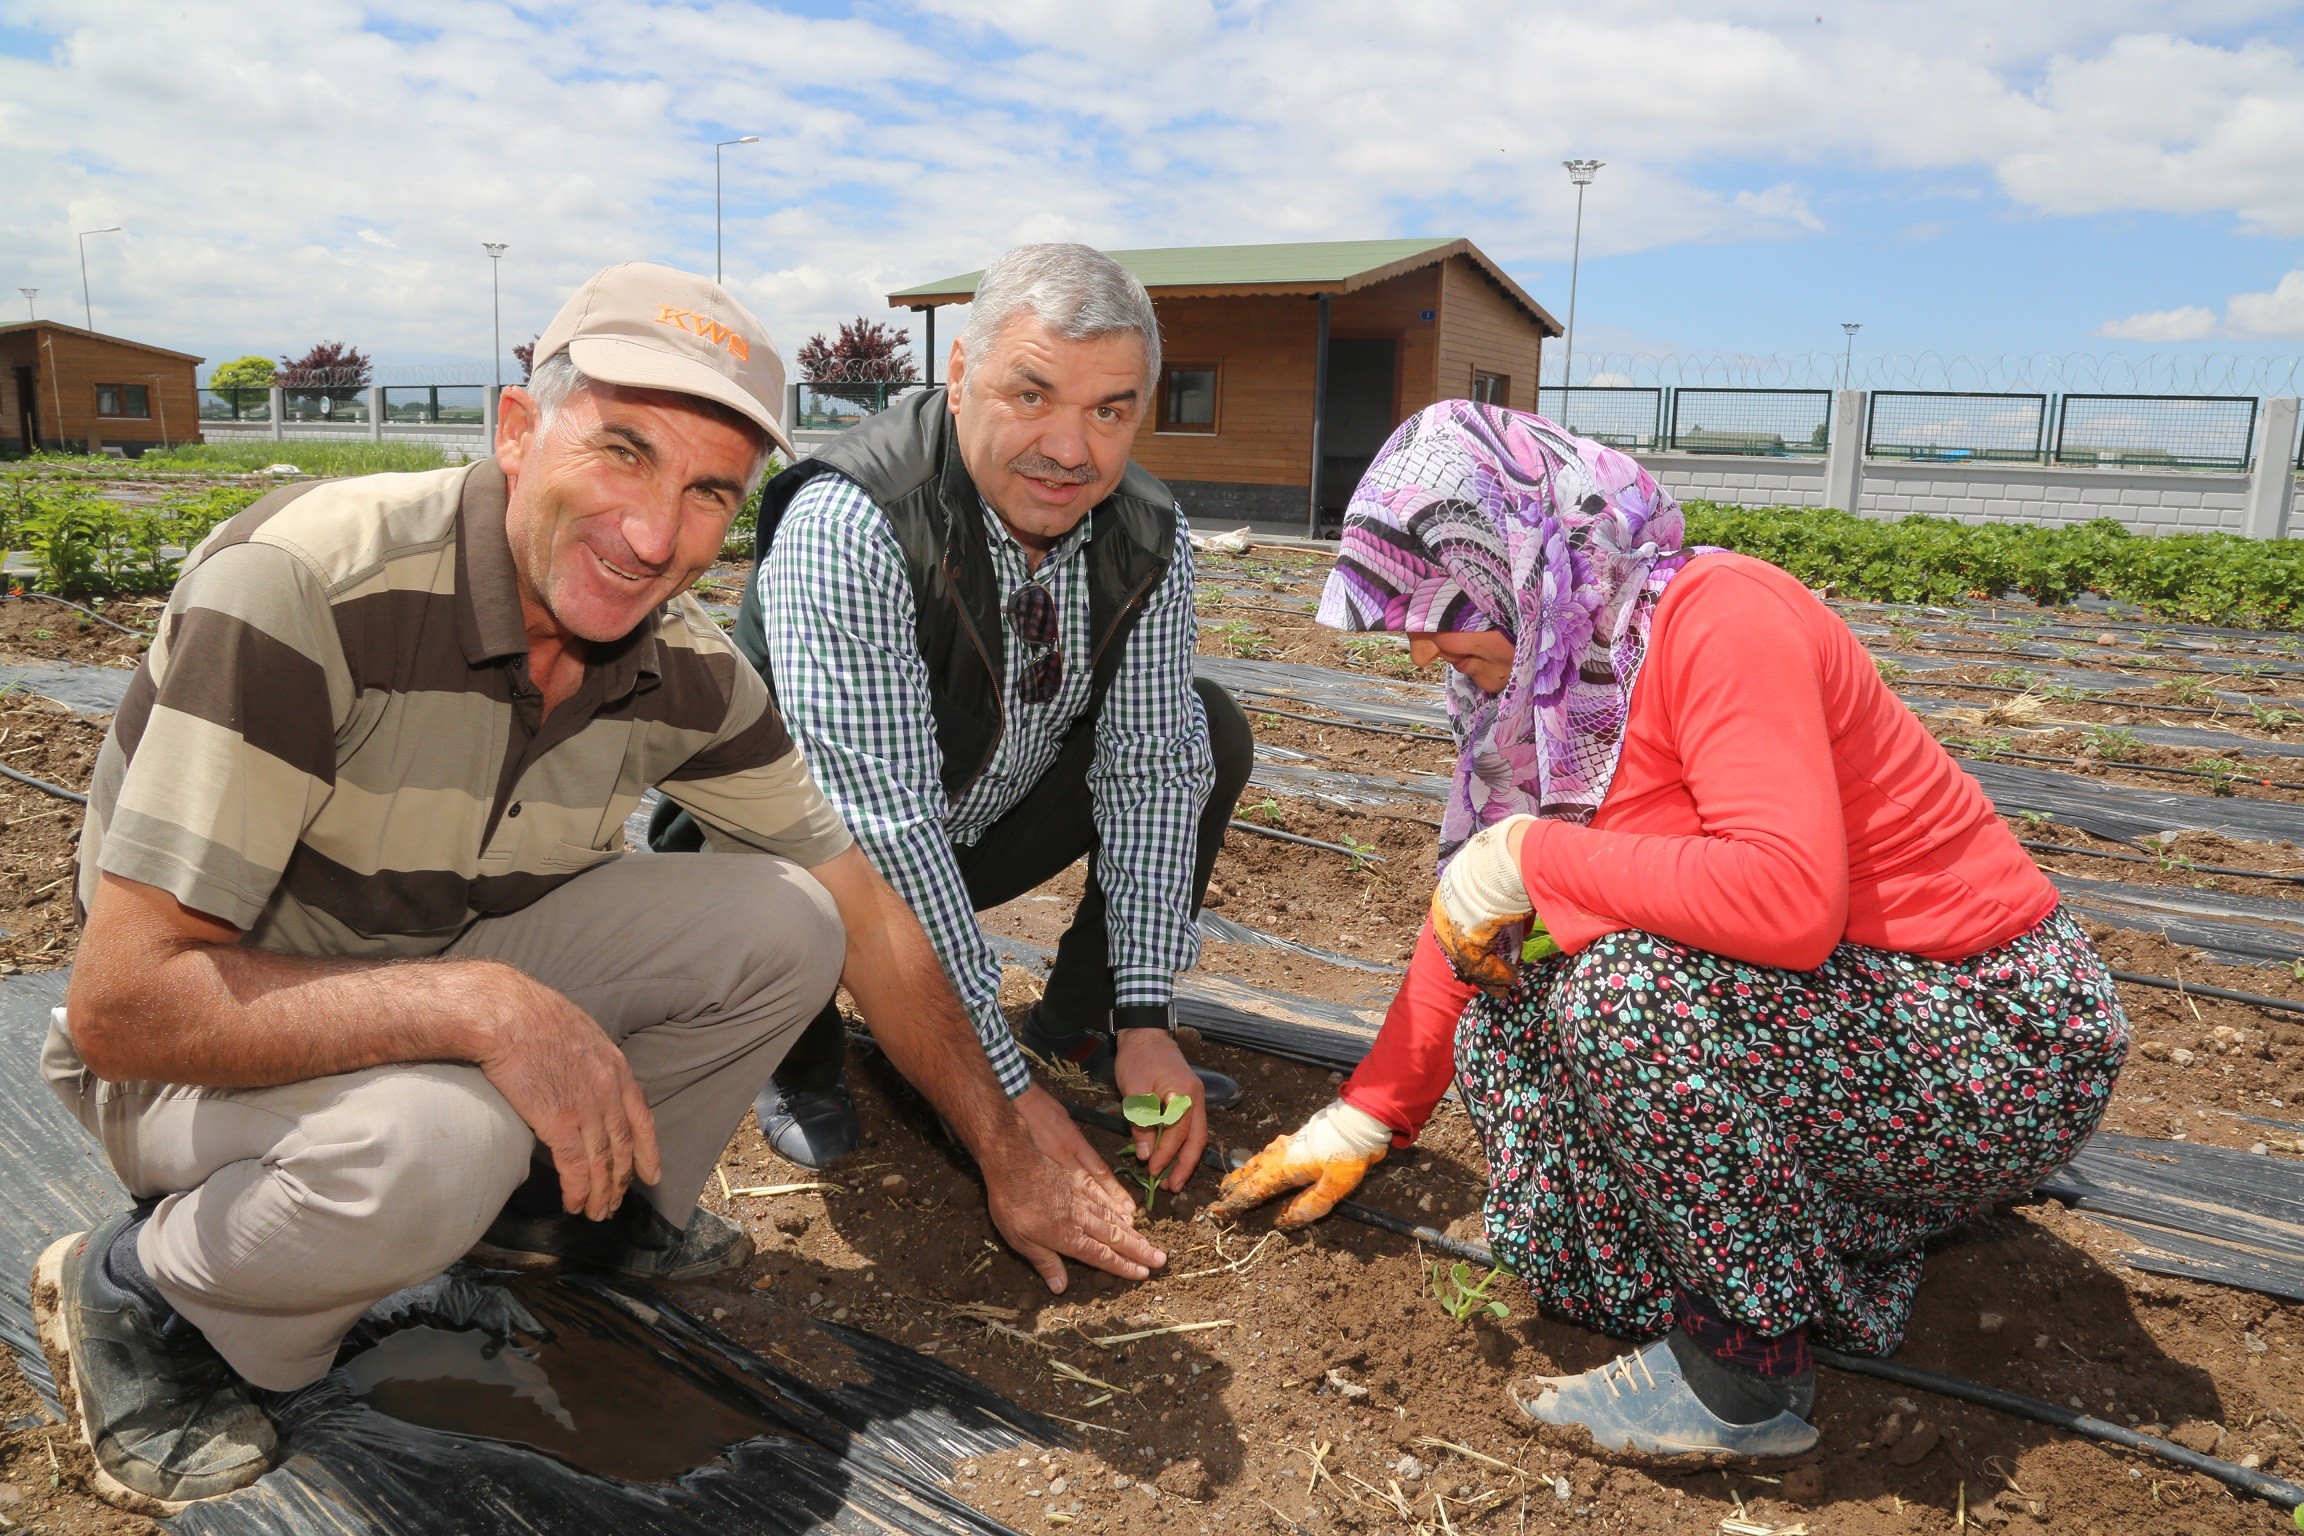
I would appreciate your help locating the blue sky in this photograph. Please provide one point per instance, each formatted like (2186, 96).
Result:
(1962, 177)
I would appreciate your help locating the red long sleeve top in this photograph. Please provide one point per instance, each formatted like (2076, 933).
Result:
(1773, 799)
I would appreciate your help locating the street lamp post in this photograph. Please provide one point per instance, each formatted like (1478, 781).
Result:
(1580, 172)
(1848, 362)
(87, 310)
(495, 250)
(750, 138)
(29, 295)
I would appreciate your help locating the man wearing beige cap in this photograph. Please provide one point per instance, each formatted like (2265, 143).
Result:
(366, 980)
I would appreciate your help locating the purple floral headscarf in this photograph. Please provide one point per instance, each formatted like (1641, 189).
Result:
(1474, 517)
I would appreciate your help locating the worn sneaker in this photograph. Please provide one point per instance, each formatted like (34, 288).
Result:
(1642, 1402)
(1092, 1052)
(167, 1421)
(636, 1242)
(814, 1128)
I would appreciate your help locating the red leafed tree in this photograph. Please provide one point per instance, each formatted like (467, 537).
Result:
(331, 370)
(525, 356)
(867, 352)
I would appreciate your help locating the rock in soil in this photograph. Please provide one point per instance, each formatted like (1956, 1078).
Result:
(1185, 1479)
(1918, 1441)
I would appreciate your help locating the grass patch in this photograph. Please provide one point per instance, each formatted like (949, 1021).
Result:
(2201, 578)
(312, 458)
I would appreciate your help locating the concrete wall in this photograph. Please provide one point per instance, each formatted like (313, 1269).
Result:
(2146, 500)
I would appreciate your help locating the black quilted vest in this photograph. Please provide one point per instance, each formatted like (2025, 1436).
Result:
(907, 459)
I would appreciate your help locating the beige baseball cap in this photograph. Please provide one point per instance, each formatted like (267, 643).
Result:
(655, 327)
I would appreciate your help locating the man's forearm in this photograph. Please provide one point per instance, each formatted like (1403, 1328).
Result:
(161, 995)
(892, 972)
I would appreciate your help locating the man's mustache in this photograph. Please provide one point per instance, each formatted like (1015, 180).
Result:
(1039, 466)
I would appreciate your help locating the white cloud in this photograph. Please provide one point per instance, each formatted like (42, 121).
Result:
(2190, 323)
(2279, 313)
(286, 170)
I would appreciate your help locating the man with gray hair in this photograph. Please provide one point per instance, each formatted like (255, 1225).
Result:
(367, 978)
(977, 615)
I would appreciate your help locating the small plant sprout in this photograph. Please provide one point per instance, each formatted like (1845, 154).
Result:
(1151, 1112)
(1452, 1287)
(1360, 852)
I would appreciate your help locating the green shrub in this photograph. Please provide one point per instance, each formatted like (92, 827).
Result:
(2211, 578)
(250, 372)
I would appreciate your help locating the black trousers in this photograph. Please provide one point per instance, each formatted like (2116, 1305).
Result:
(1040, 837)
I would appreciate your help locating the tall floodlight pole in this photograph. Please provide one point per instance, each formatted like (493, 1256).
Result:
(1580, 172)
(29, 295)
(1848, 363)
(496, 250)
(750, 138)
(87, 310)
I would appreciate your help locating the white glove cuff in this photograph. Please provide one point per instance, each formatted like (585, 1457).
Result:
(1485, 871)
(1340, 1133)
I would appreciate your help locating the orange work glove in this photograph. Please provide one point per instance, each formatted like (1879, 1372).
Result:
(1481, 913)
(1332, 1153)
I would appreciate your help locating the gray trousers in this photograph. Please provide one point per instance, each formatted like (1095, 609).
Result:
(286, 1212)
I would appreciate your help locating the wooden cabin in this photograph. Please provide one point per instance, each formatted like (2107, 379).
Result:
(83, 392)
(1286, 366)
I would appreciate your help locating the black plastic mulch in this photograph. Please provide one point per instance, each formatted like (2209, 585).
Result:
(860, 1449)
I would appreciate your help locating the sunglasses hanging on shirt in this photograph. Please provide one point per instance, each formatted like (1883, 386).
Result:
(1032, 615)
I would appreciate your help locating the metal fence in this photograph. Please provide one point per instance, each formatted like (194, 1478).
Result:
(1956, 426)
(833, 406)
(236, 404)
(1622, 416)
(1768, 423)
(435, 404)
(2157, 431)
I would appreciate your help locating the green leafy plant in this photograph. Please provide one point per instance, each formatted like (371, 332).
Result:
(2271, 719)
(1452, 1287)
(2218, 772)
(1149, 1111)
(1266, 810)
(2014, 677)
(1890, 671)
(2188, 690)
(1360, 852)
(2211, 578)
(2111, 743)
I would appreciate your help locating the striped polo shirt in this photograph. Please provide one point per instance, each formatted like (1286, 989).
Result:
(334, 744)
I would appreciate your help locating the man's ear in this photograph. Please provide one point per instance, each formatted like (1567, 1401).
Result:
(517, 423)
(955, 371)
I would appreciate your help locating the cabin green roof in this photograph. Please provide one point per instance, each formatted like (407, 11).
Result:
(1213, 271)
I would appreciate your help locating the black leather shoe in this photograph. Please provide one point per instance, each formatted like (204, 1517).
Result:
(1092, 1052)
(811, 1127)
(167, 1421)
(637, 1242)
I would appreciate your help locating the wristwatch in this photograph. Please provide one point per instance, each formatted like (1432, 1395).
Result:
(1161, 1016)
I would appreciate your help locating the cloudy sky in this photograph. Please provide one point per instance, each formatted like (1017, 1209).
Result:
(1962, 176)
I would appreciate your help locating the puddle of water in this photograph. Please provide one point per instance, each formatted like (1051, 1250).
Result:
(600, 1392)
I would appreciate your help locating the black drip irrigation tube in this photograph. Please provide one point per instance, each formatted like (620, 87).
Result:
(2278, 1491)
(1308, 842)
(2138, 858)
(58, 790)
(1348, 725)
(50, 597)
(2195, 989)
(2234, 777)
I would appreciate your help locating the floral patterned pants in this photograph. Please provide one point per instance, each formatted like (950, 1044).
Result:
(1779, 1143)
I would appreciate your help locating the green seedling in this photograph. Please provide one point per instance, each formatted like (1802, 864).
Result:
(1890, 671)
(2218, 773)
(2188, 690)
(1460, 1298)
(2270, 719)
(1266, 810)
(2013, 677)
(2111, 743)
(1360, 852)
(1150, 1112)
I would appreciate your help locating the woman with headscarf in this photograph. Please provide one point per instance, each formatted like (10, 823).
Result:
(1746, 988)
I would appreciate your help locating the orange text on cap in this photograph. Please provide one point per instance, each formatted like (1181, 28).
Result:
(711, 330)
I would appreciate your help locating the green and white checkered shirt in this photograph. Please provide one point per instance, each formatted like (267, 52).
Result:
(854, 693)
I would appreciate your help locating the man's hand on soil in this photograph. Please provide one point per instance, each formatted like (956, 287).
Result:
(1061, 1142)
(1147, 1061)
(562, 1074)
(1049, 1213)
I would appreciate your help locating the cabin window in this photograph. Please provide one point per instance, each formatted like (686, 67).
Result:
(133, 400)
(1491, 388)
(1188, 397)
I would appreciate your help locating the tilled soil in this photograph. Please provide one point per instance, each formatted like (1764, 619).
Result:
(1335, 1393)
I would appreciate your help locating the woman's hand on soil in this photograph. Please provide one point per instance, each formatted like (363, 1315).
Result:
(1480, 898)
(1048, 1213)
(1060, 1141)
(1332, 1153)
(1147, 1061)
